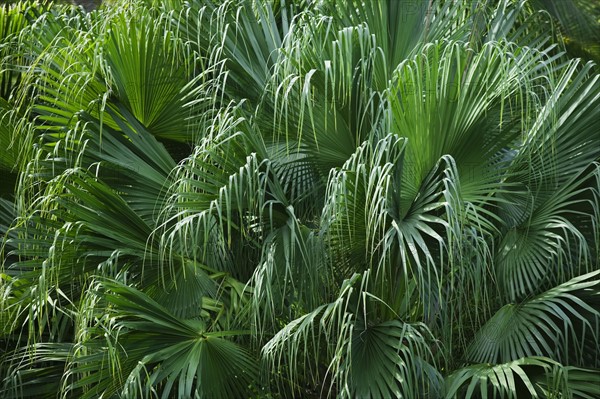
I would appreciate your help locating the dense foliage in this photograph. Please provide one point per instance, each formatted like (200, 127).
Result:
(294, 198)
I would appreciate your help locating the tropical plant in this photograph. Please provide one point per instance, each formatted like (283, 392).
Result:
(292, 198)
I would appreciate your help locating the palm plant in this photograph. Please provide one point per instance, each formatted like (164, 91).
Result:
(297, 198)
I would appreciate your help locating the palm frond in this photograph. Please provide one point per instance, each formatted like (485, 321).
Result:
(166, 353)
(389, 360)
(507, 380)
(560, 323)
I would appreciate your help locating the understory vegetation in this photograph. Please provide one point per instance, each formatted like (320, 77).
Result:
(294, 198)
